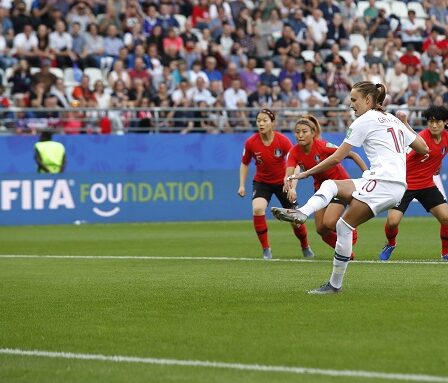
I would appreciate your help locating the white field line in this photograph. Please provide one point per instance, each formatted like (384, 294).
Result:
(109, 257)
(223, 365)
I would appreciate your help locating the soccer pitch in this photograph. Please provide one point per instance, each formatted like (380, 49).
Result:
(194, 302)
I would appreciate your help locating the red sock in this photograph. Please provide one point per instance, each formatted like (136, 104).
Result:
(355, 237)
(302, 235)
(330, 238)
(391, 234)
(444, 238)
(261, 228)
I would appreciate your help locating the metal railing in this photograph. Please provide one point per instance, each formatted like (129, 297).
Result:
(169, 120)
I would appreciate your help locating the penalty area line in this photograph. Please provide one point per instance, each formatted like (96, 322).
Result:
(224, 365)
(232, 259)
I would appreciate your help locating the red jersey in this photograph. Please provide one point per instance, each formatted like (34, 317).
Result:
(269, 160)
(319, 151)
(420, 168)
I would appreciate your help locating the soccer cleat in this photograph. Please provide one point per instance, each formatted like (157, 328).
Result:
(307, 252)
(326, 288)
(386, 252)
(444, 257)
(267, 253)
(289, 215)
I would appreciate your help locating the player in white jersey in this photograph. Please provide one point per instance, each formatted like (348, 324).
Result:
(384, 139)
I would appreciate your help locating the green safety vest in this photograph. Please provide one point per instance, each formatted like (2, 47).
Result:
(52, 155)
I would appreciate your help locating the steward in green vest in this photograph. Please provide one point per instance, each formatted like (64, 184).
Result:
(49, 155)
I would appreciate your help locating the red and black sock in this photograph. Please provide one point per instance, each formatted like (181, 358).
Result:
(261, 228)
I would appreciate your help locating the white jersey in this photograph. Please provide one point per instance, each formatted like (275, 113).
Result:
(384, 139)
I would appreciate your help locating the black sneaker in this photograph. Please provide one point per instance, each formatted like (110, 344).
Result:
(289, 215)
(326, 288)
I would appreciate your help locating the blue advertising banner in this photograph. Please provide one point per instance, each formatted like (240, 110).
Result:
(134, 178)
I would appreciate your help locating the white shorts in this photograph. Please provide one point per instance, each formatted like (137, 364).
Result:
(379, 195)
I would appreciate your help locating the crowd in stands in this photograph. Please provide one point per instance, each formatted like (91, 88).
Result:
(204, 61)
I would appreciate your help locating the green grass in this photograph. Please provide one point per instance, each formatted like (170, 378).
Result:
(391, 317)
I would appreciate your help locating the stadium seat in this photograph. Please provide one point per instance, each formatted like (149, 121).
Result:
(359, 40)
(3, 77)
(418, 8)
(258, 70)
(399, 8)
(384, 5)
(181, 19)
(69, 77)
(308, 55)
(276, 71)
(347, 55)
(94, 74)
(361, 7)
(58, 72)
(34, 70)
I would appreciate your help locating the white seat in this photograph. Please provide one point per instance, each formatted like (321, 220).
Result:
(258, 70)
(181, 19)
(34, 70)
(361, 7)
(347, 55)
(94, 75)
(399, 9)
(8, 73)
(418, 8)
(276, 71)
(69, 77)
(3, 77)
(308, 55)
(384, 5)
(57, 72)
(359, 40)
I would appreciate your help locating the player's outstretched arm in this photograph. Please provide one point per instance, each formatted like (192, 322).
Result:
(326, 164)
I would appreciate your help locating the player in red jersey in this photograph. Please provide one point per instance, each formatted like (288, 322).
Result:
(420, 170)
(309, 151)
(268, 149)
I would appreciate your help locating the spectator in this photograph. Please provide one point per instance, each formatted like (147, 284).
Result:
(370, 57)
(61, 44)
(310, 90)
(165, 19)
(378, 29)
(100, 94)
(21, 78)
(45, 76)
(317, 29)
(337, 33)
(267, 77)
(140, 72)
(200, 16)
(431, 54)
(249, 79)
(432, 78)
(82, 92)
(196, 71)
(94, 47)
(338, 82)
(150, 19)
(200, 93)
(288, 91)
(338, 118)
(371, 12)
(290, 71)
(172, 40)
(282, 46)
(82, 14)
(234, 94)
(210, 69)
(397, 83)
(230, 74)
(132, 17)
(24, 45)
(409, 58)
(411, 32)
(6, 60)
(259, 99)
(334, 57)
(20, 18)
(414, 89)
(112, 42)
(328, 9)
(438, 13)
(58, 90)
(119, 73)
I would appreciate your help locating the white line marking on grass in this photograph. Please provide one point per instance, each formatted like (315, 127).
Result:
(230, 366)
(33, 256)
